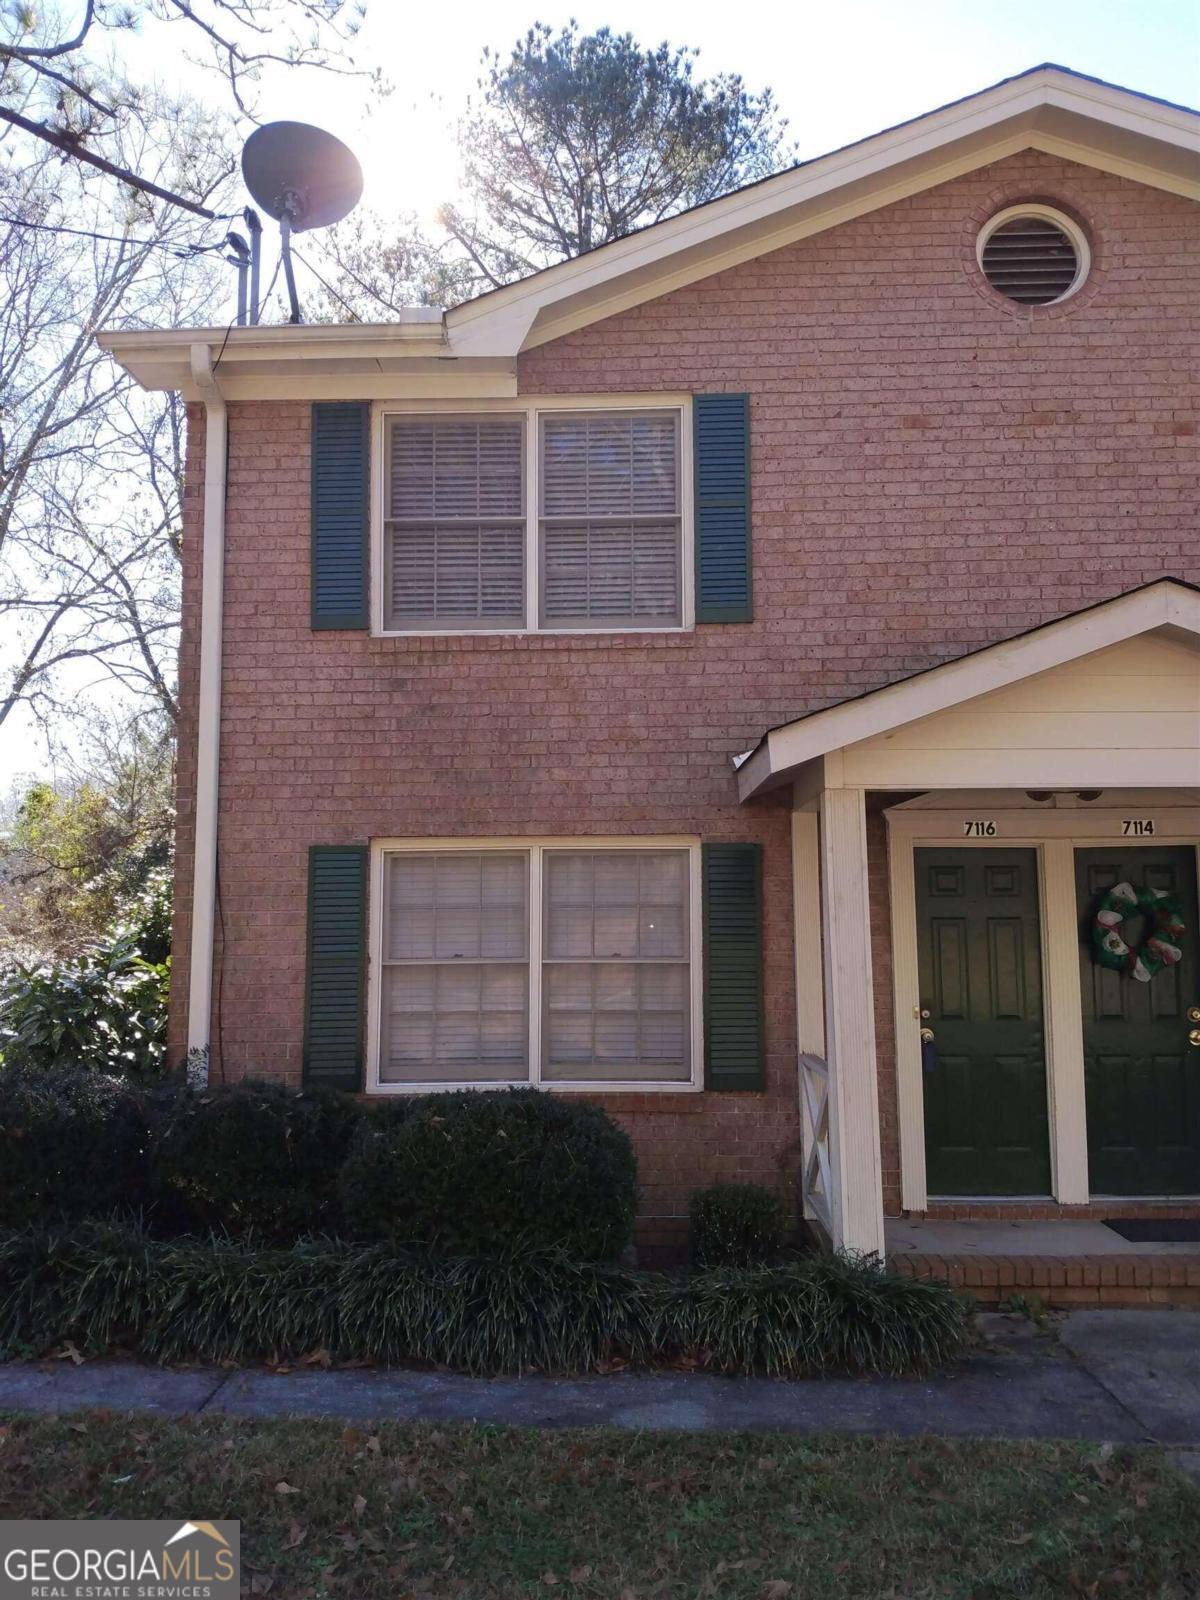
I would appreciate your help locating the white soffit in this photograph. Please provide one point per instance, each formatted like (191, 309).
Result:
(1168, 604)
(472, 349)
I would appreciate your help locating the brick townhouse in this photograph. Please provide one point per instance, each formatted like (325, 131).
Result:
(733, 675)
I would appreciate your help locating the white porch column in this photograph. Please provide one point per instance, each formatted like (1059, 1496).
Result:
(855, 1171)
(1063, 1004)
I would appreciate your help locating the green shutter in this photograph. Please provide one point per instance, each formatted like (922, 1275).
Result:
(333, 1002)
(341, 466)
(733, 995)
(721, 429)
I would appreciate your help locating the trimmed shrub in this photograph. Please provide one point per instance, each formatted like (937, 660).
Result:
(735, 1225)
(219, 1300)
(72, 1144)
(252, 1158)
(476, 1174)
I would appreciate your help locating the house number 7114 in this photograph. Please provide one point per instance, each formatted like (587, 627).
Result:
(1138, 827)
(979, 828)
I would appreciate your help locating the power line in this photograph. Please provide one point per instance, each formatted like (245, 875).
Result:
(111, 238)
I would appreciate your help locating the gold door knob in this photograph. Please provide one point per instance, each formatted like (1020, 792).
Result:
(1193, 1038)
(927, 1036)
(1194, 1013)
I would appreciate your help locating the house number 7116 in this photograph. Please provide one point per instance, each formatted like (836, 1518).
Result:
(1138, 827)
(979, 828)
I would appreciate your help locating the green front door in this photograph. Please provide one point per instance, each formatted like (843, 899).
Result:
(1142, 1074)
(979, 949)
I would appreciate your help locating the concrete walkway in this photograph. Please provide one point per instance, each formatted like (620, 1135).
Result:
(1098, 1375)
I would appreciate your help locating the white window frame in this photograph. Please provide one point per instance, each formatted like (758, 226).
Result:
(532, 411)
(536, 850)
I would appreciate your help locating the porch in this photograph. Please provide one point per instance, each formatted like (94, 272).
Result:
(1060, 1264)
(953, 837)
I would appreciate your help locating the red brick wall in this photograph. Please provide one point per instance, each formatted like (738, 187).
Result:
(933, 469)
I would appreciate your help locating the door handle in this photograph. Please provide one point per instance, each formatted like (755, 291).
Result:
(927, 1036)
(1194, 1038)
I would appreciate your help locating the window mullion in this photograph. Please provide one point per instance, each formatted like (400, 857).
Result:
(532, 489)
(535, 965)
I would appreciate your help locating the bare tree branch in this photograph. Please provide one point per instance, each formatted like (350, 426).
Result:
(72, 147)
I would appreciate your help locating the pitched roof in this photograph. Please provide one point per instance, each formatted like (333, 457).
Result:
(1047, 108)
(797, 166)
(1164, 602)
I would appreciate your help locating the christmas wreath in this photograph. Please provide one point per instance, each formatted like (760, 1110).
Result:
(1160, 943)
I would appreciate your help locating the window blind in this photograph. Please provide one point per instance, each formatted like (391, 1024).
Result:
(609, 518)
(455, 968)
(616, 966)
(455, 523)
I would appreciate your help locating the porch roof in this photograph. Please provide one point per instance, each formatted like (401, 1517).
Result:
(1168, 606)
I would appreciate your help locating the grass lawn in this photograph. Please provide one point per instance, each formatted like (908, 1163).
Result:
(413, 1511)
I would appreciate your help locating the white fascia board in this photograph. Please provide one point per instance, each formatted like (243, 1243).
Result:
(161, 358)
(995, 667)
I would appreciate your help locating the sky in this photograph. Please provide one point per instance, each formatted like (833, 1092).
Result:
(839, 71)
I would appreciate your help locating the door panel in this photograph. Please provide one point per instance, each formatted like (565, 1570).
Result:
(1143, 1077)
(979, 952)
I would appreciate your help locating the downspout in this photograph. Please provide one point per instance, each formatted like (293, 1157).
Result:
(208, 719)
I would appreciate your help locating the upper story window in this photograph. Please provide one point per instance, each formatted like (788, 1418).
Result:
(528, 519)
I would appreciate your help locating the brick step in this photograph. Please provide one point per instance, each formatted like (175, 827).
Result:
(1106, 1280)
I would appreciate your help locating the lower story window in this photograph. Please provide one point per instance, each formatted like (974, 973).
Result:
(568, 964)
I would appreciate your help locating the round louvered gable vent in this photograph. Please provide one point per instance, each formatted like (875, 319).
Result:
(1033, 255)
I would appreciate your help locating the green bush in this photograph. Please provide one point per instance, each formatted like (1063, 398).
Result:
(252, 1158)
(104, 1010)
(72, 1144)
(474, 1173)
(735, 1225)
(218, 1300)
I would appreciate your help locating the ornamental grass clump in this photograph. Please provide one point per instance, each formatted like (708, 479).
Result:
(102, 1285)
(817, 1313)
(219, 1300)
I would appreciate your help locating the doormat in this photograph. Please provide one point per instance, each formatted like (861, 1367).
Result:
(1156, 1230)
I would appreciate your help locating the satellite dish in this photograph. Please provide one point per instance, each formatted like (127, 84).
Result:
(293, 169)
(304, 178)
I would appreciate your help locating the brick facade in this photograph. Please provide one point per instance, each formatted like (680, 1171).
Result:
(933, 469)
